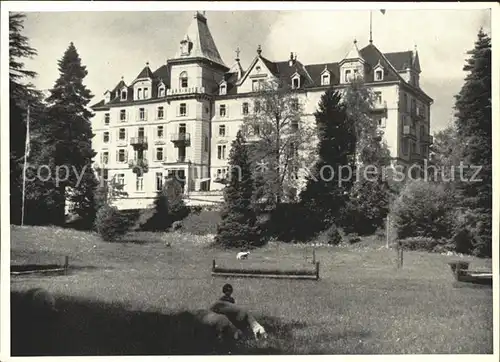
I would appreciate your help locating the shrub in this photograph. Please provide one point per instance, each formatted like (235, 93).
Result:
(419, 243)
(110, 224)
(472, 232)
(331, 236)
(423, 209)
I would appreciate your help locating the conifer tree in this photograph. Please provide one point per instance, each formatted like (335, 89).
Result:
(22, 94)
(67, 135)
(238, 227)
(326, 194)
(473, 124)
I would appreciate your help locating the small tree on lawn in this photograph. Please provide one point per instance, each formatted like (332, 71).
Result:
(326, 193)
(238, 227)
(281, 139)
(370, 195)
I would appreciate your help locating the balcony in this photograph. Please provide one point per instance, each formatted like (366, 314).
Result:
(139, 142)
(417, 113)
(185, 91)
(409, 131)
(379, 107)
(139, 166)
(427, 139)
(180, 139)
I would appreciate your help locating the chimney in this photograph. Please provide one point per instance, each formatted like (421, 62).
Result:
(292, 60)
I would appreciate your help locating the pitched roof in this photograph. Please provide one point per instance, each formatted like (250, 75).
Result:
(400, 60)
(145, 73)
(202, 42)
(315, 71)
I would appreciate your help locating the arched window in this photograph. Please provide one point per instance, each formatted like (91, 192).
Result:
(183, 80)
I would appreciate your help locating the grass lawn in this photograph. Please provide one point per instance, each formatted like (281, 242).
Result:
(136, 298)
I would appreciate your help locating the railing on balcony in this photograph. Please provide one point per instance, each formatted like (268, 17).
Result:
(379, 106)
(139, 141)
(139, 166)
(409, 131)
(188, 90)
(180, 139)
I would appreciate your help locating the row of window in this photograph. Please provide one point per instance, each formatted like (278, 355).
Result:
(143, 93)
(411, 147)
(411, 105)
(159, 155)
(139, 180)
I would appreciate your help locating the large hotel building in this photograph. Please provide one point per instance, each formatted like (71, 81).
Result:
(182, 117)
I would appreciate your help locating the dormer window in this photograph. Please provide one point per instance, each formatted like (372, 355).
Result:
(139, 93)
(183, 80)
(347, 75)
(161, 91)
(296, 82)
(146, 93)
(123, 95)
(222, 89)
(325, 78)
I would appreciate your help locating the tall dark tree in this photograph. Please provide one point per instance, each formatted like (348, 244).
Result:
(238, 227)
(370, 195)
(22, 94)
(473, 123)
(326, 194)
(67, 137)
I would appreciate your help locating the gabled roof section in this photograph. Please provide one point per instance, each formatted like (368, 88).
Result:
(354, 54)
(119, 86)
(201, 42)
(145, 73)
(400, 60)
(316, 70)
(373, 57)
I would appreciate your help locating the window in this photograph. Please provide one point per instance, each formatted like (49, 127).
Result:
(123, 115)
(161, 91)
(139, 183)
(325, 79)
(347, 75)
(355, 72)
(142, 114)
(159, 154)
(223, 89)
(146, 93)
(379, 74)
(183, 110)
(182, 128)
(159, 132)
(422, 132)
(382, 122)
(405, 146)
(105, 137)
(160, 113)
(405, 101)
(105, 174)
(244, 109)
(221, 173)
(183, 78)
(206, 143)
(121, 134)
(221, 152)
(296, 82)
(121, 155)
(222, 110)
(257, 107)
(106, 119)
(222, 130)
(256, 129)
(140, 132)
(105, 157)
(124, 95)
(378, 97)
(257, 84)
(294, 124)
(120, 179)
(159, 181)
(294, 105)
(139, 93)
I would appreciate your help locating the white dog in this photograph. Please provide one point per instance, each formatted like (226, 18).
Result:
(243, 255)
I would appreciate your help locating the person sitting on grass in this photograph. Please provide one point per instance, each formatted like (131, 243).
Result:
(227, 289)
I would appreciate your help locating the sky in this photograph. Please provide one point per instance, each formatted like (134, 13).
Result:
(116, 44)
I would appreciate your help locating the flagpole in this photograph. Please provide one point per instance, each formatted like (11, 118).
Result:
(371, 40)
(26, 150)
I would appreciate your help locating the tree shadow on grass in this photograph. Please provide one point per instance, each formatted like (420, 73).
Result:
(87, 328)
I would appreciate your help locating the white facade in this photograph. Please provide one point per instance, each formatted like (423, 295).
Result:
(183, 116)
